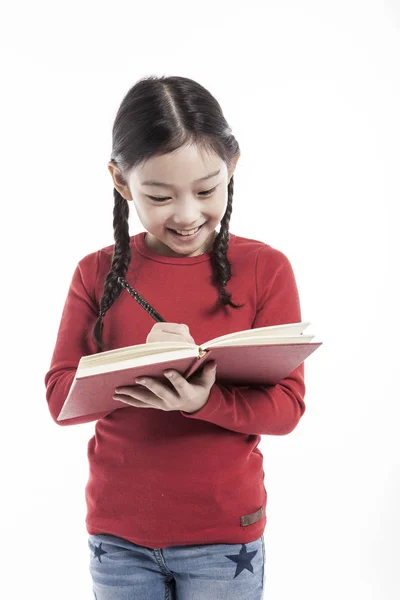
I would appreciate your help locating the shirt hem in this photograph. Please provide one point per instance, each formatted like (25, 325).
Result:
(247, 535)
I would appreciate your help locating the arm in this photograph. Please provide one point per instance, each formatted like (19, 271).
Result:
(270, 409)
(74, 340)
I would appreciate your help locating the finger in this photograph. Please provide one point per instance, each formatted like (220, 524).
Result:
(211, 370)
(206, 376)
(169, 331)
(135, 402)
(157, 389)
(209, 367)
(127, 389)
(139, 392)
(138, 397)
(179, 382)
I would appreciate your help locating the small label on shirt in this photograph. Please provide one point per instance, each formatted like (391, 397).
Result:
(252, 518)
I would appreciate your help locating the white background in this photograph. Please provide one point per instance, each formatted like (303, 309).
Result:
(312, 92)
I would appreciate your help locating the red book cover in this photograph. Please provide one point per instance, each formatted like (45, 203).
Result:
(243, 364)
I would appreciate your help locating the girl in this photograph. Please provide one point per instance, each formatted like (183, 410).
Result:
(175, 497)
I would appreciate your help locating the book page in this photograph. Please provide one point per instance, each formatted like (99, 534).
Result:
(264, 341)
(151, 348)
(275, 331)
(85, 370)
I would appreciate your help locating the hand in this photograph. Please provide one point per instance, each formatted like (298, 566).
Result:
(169, 332)
(184, 395)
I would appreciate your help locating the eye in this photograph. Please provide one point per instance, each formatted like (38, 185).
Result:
(204, 194)
(208, 192)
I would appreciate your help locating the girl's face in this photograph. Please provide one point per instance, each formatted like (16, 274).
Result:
(183, 204)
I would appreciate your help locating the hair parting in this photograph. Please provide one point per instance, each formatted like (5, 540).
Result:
(159, 115)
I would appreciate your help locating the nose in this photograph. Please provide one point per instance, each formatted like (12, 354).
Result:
(187, 214)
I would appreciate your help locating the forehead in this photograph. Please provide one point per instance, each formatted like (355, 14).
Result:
(181, 167)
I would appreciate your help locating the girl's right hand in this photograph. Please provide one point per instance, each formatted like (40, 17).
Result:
(169, 332)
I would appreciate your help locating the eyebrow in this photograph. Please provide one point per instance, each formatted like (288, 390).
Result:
(160, 184)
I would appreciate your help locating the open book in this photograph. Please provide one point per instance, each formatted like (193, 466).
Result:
(260, 356)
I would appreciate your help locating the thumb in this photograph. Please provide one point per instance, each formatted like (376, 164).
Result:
(205, 376)
(211, 368)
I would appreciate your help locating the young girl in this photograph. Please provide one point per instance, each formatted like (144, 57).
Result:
(175, 497)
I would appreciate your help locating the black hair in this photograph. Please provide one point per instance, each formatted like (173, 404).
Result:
(159, 115)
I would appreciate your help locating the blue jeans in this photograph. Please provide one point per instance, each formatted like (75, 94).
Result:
(121, 570)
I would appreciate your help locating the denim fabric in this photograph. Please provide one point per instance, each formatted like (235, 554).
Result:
(121, 570)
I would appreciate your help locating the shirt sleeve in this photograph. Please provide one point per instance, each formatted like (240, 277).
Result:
(74, 339)
(270, 409)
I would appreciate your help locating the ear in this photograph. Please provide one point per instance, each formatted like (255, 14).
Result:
(119, 182)
(233, 166)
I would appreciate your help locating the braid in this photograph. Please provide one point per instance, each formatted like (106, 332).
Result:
(157, 116)
(221, 265)
(122, 257)
(119, 266)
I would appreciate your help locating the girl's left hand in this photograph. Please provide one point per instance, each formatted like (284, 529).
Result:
(185, 396)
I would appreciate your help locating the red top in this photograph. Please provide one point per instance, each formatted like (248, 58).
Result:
(166, 478)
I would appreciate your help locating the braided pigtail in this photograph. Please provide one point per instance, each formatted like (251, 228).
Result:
(221, 265)
(157, 116)
(119, 266)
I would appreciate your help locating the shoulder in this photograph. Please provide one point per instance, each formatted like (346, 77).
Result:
(263, 254)
(92, 270)
(98, 259)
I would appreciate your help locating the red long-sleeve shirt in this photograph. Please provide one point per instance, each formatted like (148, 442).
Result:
(165, 478)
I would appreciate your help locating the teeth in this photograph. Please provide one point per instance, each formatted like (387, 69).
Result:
(182, 232)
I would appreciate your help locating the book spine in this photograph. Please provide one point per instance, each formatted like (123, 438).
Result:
(196, 363)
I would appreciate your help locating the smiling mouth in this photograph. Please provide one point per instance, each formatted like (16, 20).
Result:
(186, 233)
